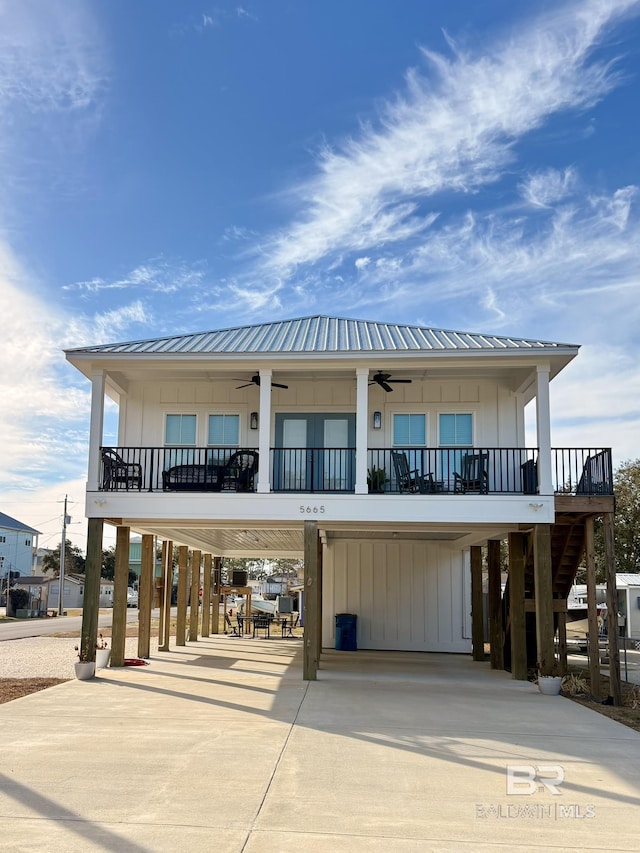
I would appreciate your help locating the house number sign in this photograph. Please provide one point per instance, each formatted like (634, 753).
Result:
(311, 509)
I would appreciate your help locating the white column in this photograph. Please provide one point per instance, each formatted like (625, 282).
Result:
(543, 424)
(96, 429)
(362, 429)
(264, 437)
(520, 425)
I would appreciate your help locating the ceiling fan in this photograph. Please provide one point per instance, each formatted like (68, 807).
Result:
(385, 381)
(255, 380)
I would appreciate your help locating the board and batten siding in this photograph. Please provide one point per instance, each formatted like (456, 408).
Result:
(410, 596)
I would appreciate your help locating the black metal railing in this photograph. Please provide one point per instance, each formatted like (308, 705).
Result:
(441, 470)
(155, 469)
(313, 469)
(582, 470)
(453, 470)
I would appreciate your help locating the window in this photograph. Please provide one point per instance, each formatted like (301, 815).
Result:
(224, 429)
(3, 538)
(456, 430)
(409, 430)
(27, 542)
(180, 429)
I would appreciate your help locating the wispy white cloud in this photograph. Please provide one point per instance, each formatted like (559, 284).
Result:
(548, 187)
(452, 130)
(154, 276)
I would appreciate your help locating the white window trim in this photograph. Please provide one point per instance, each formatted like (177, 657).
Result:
(164, 427)
(451, 410)
(427, 426)
(243, 416)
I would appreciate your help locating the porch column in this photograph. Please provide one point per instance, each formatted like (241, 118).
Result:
(206, 596)
(612, 610)
(362, 429)
(542, 572)
(495, 604)
(215, 598)
(543, 424)
(91, 589)
(264, 437)
(196, 557)
(95, 429)
(145, 595)
(167, 562)
(477, 610)
(181, 617)
(592, 609)
(517, 617)
(120, 587)
(162, 591)
(318, 638)
(311, 628)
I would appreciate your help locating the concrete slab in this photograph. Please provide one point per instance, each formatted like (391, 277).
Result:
(219, 745)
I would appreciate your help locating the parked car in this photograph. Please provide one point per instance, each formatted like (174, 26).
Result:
(132, 597)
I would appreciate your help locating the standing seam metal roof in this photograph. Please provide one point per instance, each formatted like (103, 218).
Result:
(323, 334)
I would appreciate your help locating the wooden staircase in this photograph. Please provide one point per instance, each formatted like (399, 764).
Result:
(567, 548)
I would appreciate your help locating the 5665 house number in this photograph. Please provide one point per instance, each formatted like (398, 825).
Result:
(311, 509)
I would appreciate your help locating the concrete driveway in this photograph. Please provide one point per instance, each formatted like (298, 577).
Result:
(221, 746)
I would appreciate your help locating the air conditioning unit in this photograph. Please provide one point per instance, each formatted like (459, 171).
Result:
(284, 604)
(239, 578)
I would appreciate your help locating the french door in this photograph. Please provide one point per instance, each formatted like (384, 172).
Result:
(315, 452)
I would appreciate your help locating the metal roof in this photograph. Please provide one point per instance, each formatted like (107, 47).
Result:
(324, 334)
(8, 523)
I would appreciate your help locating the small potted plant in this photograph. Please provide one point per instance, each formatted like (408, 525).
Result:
(85, 668)
(549, 683)
(376, 478)
(102, 653)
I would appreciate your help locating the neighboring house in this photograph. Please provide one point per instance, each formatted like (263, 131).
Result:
(17, 544)
(404, 446)
(74, 586)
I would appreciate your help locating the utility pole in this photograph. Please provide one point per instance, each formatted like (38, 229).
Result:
(65, 520)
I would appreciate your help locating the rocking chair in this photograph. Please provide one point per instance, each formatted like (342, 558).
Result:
(474, 476)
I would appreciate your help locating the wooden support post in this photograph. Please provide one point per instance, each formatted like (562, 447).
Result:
(542, 572)
(318, 637)
(592, 609)
(91, 598)
(612, 610)
(562, 642)
(196, 557)
(120, 589)
(309, 662)
(206, 596)
(163, 592)
(181, 616)
(518, 631)
(215, 598)
(145, 596)
(477, 609)
(167, 562)
(496, 634)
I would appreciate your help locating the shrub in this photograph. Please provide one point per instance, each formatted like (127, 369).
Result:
(19, 599)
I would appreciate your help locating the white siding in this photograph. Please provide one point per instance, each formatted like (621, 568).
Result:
(407, 595)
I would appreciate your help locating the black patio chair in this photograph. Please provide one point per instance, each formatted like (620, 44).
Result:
(239, 471)
(410, 482)
(229, 624)
(262, 622)
(473, 476)
(116, 473)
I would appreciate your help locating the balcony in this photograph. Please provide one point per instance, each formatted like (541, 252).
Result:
(441, 471)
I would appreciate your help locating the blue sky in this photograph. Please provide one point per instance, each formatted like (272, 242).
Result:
(175, 165)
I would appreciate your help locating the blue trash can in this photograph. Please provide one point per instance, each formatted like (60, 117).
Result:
(346, 632)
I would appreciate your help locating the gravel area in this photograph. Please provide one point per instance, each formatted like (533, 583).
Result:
(48, 657)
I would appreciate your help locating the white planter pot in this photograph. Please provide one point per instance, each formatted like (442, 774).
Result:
(85, 670)
(549, 684)
(102, 658)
